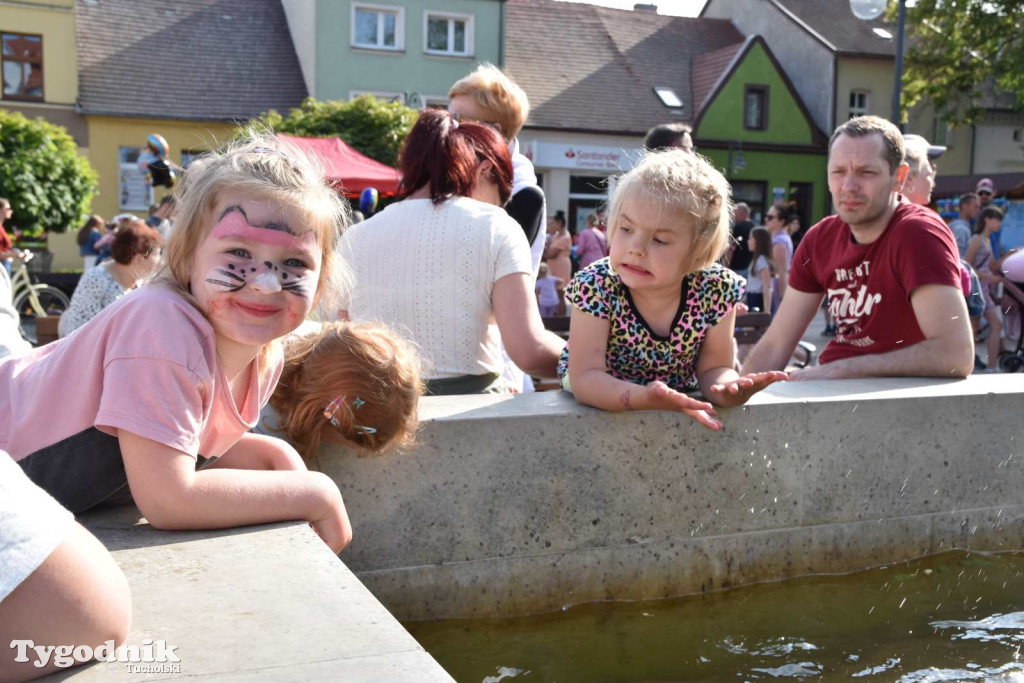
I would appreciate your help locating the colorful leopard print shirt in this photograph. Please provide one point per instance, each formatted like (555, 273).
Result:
(635, 353)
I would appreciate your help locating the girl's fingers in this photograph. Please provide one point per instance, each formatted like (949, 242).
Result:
(703, 418)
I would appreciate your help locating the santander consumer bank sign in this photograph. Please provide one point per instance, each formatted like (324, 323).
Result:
(583, 157)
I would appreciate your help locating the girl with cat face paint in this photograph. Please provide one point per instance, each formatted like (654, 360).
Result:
(153, 398)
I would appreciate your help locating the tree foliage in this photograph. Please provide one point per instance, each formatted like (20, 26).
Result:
(49, 184)
(374, 127)
(964, 56)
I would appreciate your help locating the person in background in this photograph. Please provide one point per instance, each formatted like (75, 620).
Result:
(970, 207)
(782, 251)
(490, 96)
(980, 256)
(762, 269)
(593, 244)
(162, 217)
(739, 260)
(7, 251)
(88, 235)
(11, 341)
(447, 266)
(549, 291)
(920, 180)
(103, 244)
(136, 257)
(668, 136)
(986, 191)
(558, 249)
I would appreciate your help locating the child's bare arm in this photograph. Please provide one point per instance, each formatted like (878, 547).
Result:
(593, 385)
(172, 495)
(719, 381)
(260, 452)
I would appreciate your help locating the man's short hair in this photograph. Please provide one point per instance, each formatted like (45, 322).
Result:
(863, 126)
(666, 136)
(498, 97)
(968, 197)
(741, 206)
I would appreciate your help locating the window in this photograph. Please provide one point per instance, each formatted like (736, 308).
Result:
(448, 34)
(378, 27)
(860, 103)
(668, 97)
(135, 192)
(755, 107)
(22, 66)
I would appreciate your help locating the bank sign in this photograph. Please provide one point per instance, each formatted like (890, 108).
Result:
(582, 157)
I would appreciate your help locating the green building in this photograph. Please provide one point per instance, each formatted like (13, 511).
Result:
(408, 49)
(599, 78)
(754, 125)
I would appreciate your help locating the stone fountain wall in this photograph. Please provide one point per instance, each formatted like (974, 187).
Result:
(516, 505)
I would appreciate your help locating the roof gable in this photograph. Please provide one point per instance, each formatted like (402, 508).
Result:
(191, 59)
(592, 68)
(721, 116)
(834, 25)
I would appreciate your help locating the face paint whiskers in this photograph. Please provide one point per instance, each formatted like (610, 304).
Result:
(235, 286)
(299, 288)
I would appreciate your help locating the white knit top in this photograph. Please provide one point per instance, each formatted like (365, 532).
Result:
(429, 271)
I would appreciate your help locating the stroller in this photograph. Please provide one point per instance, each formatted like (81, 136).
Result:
(1012, 305)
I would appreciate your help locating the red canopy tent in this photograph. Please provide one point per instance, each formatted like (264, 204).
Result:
(346, 168)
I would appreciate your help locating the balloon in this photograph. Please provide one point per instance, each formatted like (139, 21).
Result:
(158, 144)
(368, 201)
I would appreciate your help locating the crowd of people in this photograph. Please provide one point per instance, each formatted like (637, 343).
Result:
(204, 363)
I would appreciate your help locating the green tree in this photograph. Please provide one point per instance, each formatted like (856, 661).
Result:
(964, 55)
(49, 184)
(374, 127)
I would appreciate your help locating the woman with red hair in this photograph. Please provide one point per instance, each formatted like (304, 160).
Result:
(448, 265)
(136, 256)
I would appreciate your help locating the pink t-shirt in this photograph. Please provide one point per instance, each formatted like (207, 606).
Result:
(146, 364)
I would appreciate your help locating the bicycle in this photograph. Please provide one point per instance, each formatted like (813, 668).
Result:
(33, 299)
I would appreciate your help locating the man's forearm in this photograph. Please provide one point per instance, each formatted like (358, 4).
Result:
(929, 358)
(767, 355)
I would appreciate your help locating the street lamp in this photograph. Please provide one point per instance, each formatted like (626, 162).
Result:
(872, 9)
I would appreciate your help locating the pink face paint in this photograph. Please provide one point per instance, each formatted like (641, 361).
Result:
(234, 224)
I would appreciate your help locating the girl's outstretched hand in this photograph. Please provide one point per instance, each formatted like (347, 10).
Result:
(738, 391)
(658, 396)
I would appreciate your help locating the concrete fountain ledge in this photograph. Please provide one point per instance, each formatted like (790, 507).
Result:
(515, 505)
(264, 602)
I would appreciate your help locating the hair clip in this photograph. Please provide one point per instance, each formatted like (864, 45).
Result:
(331, 413)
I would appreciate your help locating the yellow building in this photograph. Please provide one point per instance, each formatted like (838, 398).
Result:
(113, 72)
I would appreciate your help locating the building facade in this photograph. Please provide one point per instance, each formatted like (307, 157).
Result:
(410, 50)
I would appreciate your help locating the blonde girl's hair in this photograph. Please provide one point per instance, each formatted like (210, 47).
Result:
(372, 373)
(266, 167)
(497, 97)
(681, 182)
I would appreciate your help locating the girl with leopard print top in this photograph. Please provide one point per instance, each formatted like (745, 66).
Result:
(656, 317)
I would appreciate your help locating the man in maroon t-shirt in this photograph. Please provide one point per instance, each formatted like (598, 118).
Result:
(889, 268)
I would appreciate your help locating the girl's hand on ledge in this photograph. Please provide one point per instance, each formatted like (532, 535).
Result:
(738, 391)
(658, 396)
